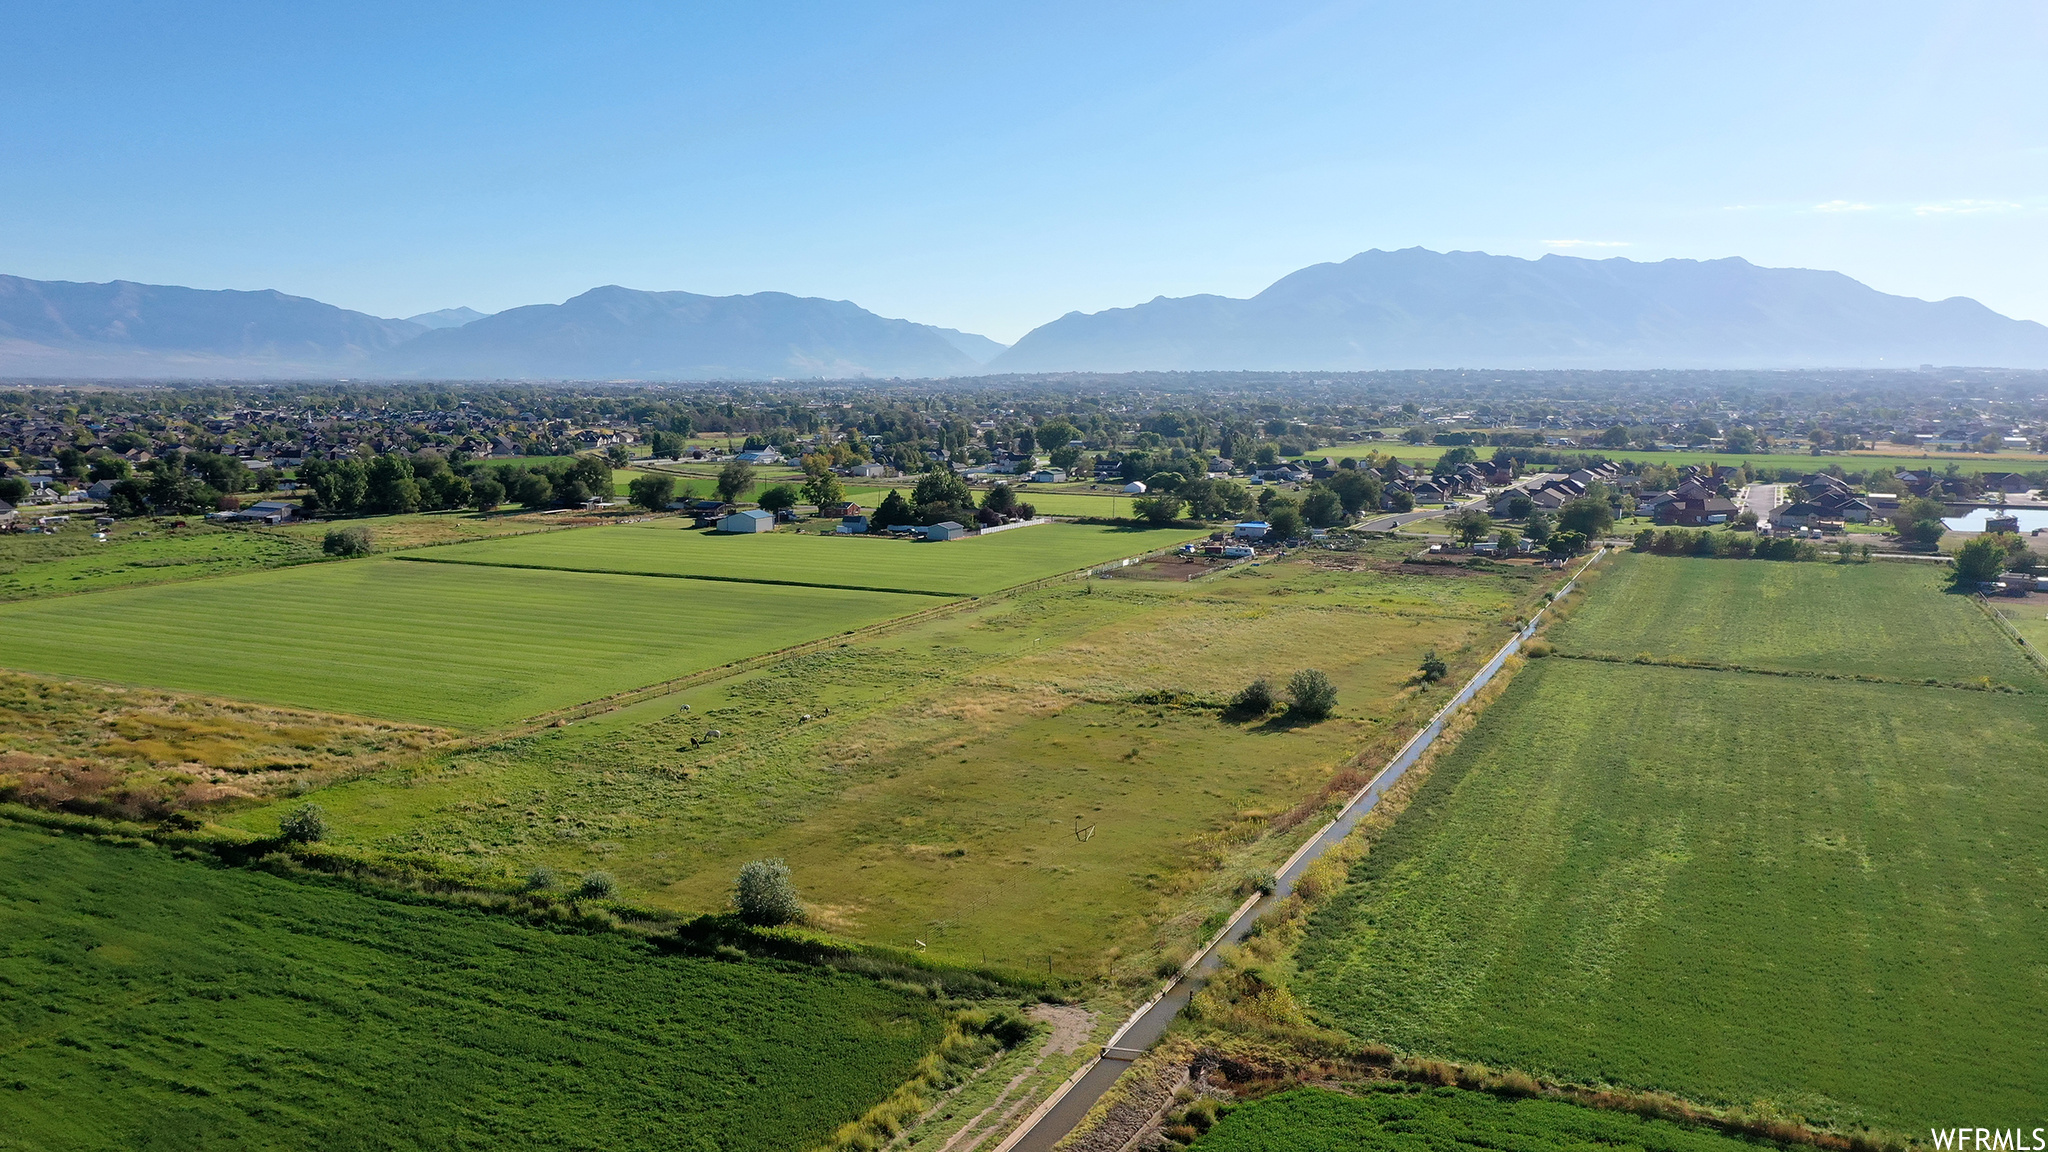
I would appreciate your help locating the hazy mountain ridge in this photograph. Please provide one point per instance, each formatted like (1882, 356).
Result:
(446, 317)
(1421, 309)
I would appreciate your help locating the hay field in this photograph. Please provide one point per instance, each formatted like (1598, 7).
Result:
(153, 1002)
(1888, 620)
(1810, 895)
(1407, 1119)
(969, 567)
(932, 795)
(460, 646)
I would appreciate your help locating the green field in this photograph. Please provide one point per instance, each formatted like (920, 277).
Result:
(931, 795)
(1444, 1120)
(974, 566)
(151, 1002)
(459, 645)
(1885, 619)
(1815, 895)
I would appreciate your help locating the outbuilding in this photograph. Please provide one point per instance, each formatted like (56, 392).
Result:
(945, 530)
(1251, 530)
(1135, 488)
(752, 520)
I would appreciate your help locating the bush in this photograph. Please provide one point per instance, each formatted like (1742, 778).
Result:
(1313, 694)
(1433, 666)
(1255, 698)
(765, 895)
(351, 541)
(541, 879)
(303, 825)
(597, 886)
(1261, 881)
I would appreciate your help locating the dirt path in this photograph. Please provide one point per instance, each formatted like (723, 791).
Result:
(1070, 1029)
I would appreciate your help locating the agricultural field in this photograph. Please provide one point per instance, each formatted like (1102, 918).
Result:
(1800, 894)
(153, 1002)
(456, 645)
(1401, 1119)
(926, 783)
(2028, 617)
(970, 567)
(1890, 620)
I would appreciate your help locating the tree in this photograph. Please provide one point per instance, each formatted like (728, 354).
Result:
(1283, 520)
(1470, 524)
(1918, 521)
(390, 487)
(1402, 500)
(337, 485)
(1520, 506)
(1507, 541)
(129, 498)
(894, 510)
(666, 445)
(13, 489)
(1254, 699)
(999, 499)
(780, 498)
(532, 489)
(1054, 434)
(1313, 696)
(734, 479)
(823, 489)
(1064, 458)
(1564, 543)
(354, 540)
(108, 468)
(941, 486)
(485, 494)
(1981, 559)
(303, 825)
(1589, 516)
(618, 455)
(765, 896)
(1161, 509)
(1321, 507)
(1433, 666)
(1538, 527)
(652, 490)
(1356, 487)
(1615, 437)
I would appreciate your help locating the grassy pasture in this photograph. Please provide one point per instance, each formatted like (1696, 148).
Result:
(461, 646)
(932, 794)
(1820, 895)
(1885, 619)
(153, 1002)
(973, 566)
(1444, 1120)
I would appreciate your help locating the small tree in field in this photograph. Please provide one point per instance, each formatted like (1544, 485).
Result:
(1433, 666)
(1313, 695)
(652, 490)
(351, 541)
(765, 896)
(303, 825)
(1254, 699)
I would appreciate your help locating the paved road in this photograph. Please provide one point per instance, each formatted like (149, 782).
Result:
(1389, 523)
(1053, 1120)
(1760, 499)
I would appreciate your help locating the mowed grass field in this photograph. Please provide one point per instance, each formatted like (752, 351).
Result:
(1886, 619)
(974, 566)
(932, 793)
(1818, 896)
(1444, 1120)
(461, 646)
(156, 1003)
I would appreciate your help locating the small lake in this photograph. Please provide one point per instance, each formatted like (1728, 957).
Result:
(2030, 519)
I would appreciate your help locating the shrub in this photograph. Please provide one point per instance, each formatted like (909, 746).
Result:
(351, 541)
(1313, 694)
(597, 886)
(303, 825)
(1261, 881)
(1537, 649)
(1255, 698)
(765, 895)
(1433, 666)
(541, 879)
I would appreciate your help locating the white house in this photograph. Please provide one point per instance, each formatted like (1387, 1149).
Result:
(752, 520)
(1251, 530)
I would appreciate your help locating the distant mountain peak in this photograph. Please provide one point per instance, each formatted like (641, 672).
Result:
(446, 318)
(1415, 308)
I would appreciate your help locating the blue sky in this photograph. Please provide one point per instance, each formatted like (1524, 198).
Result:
(991, 166)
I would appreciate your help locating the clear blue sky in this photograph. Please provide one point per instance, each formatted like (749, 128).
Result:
(992, 166)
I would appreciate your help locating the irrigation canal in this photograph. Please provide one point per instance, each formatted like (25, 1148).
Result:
(1058, 1116)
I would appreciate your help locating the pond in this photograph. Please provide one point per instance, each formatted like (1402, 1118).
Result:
(2030, 519)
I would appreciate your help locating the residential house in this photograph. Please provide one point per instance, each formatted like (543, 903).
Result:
(843, 509)
(7, 513)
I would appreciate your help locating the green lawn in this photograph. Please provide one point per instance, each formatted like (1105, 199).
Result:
(1821, 895)
(973, 566)
(138, 553)
(1401, 1119)
(458, 645)
(1888, 619)
(156, 1003)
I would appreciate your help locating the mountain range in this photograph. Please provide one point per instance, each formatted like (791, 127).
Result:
(1408, 309)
